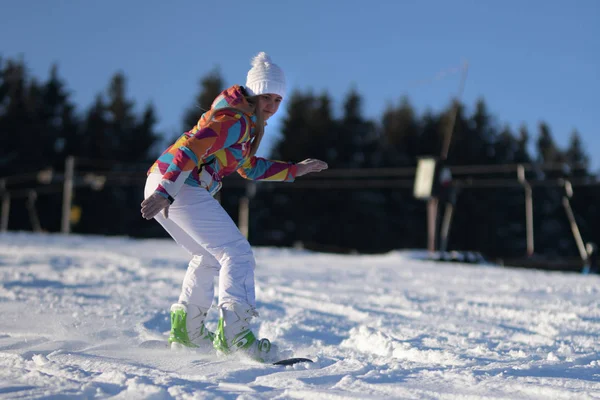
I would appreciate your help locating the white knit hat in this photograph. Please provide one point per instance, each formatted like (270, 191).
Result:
(265, 77)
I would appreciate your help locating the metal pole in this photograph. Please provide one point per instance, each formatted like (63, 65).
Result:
(528, 208)
(67, 195)
(449, 131)
(5, 206)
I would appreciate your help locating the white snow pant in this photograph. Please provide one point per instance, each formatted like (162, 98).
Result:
(201, 226)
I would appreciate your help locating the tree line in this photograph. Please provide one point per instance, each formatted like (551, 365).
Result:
(40, 126)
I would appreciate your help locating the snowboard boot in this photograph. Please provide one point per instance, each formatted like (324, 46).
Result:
(234, 335)
(187, 327)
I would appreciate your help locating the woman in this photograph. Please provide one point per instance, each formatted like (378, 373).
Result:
(179, 195)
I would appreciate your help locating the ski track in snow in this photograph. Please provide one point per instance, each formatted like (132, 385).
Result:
(75, 310)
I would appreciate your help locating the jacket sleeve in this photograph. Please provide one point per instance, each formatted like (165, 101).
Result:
(225, 128)
(261, 169)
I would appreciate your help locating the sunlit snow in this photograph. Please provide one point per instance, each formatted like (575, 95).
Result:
(76, 311)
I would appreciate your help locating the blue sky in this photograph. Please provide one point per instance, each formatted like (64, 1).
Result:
(530, 60)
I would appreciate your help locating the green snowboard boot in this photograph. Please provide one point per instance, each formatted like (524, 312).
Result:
(233, 334)
(187, 327)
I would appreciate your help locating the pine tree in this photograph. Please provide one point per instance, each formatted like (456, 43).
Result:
(121, 118)
(575, 155)
(19, 127)
(432, 135)
(143, 139)
(400, 135)
(506, 147)
(473, 139)
(16, 121)
(548, 152)
(296, 132)
(357, 138)
(57, 117)
(61, 118)
(96, 140)
(522, 154)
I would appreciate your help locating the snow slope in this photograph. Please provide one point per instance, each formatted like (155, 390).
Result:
(75, 309)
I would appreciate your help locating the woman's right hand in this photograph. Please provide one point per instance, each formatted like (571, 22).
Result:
(155, 204)
(310, 165)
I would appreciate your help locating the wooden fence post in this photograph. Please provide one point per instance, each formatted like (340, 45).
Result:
(528, 208)
(65, 227)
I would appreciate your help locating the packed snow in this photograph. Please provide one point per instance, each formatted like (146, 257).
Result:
(78, 315)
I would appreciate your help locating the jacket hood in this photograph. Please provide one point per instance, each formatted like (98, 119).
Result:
(233, 97)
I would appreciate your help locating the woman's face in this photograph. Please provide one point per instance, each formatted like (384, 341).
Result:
(269, 103)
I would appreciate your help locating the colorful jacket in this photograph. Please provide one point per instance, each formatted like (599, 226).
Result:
(217, 147)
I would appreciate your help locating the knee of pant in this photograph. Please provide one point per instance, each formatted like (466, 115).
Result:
(203, 261)
(237, 253)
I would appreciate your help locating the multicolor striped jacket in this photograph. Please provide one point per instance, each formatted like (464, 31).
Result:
(217, 146)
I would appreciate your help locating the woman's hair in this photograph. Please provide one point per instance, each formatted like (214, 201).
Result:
(259, 131)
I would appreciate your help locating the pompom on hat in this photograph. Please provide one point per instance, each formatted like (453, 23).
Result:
(265, 77)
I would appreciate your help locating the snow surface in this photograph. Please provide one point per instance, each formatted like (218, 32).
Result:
(74, 311)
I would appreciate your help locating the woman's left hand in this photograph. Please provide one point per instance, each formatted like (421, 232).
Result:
(310, 165)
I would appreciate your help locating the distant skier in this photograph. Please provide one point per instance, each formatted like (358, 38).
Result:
(181, 184)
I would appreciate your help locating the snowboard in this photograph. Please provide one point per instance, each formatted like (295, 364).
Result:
(292, 361)
(163, 344)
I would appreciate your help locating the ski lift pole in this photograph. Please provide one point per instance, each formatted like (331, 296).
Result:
(447, 221)
(453, 115)
(433, 202)
(574, 228)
